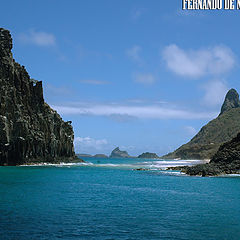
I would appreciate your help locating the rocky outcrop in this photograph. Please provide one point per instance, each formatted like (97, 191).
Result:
(218, 131)
(30, 131)
(117, 153)
(148, 155)
(225, 161)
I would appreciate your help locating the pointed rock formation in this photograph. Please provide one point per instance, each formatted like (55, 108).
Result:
(30, 131)
(218, 131)
(231, 101)
(117, 153)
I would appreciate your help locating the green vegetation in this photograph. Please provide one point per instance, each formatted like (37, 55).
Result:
(218, 131)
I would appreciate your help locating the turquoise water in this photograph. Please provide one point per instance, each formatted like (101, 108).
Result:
(108, 200)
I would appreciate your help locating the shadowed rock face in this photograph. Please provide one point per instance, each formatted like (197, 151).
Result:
(29, 129)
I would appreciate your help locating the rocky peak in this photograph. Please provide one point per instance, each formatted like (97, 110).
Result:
(231, 101)
(5, 42)
(117, 153)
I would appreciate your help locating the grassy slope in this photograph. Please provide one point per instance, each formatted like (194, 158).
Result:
(206, 143)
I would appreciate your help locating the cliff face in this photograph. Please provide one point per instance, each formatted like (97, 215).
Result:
(29, 129)
(218, 131)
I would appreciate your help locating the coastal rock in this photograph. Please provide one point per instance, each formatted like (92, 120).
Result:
(30, 131)
(148, 155)
(218, 131)
(142, 169)
(117, 153)
(225, 161)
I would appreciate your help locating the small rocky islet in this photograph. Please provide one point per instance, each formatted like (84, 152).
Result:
(117, 153)
(149, 155)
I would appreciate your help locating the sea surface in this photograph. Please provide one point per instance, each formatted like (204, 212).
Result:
(108, 199)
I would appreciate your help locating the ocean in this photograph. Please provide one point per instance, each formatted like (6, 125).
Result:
(107, 199)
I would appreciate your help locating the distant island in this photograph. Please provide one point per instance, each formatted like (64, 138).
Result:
(117, 153)
(148, 155)
(83, 155)
(30, 131)
(100, 156)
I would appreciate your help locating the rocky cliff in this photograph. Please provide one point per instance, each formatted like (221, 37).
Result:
(30, 131)
(218, 131)
(117, 153)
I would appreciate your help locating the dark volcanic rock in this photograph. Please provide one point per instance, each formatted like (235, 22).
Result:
(30, 131)
(117, 153)
(211, 136)
(148, 155)
(225, 161)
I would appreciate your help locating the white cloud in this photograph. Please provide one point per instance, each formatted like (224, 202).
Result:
(122, 118)
(93, 82)
(135, 111)
(145, 78)
(190, 130)
(134, 54)
(88, 144)
(38, 38)
(215, 92)
(197, 63)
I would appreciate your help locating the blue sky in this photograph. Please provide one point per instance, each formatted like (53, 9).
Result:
(141, 75)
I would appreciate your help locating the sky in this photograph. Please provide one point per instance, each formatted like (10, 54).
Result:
(142, 75)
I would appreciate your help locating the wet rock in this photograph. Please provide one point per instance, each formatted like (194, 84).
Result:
(142, 169)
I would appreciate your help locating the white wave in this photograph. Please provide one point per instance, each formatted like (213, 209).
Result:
(62, 164)
(160, 165)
